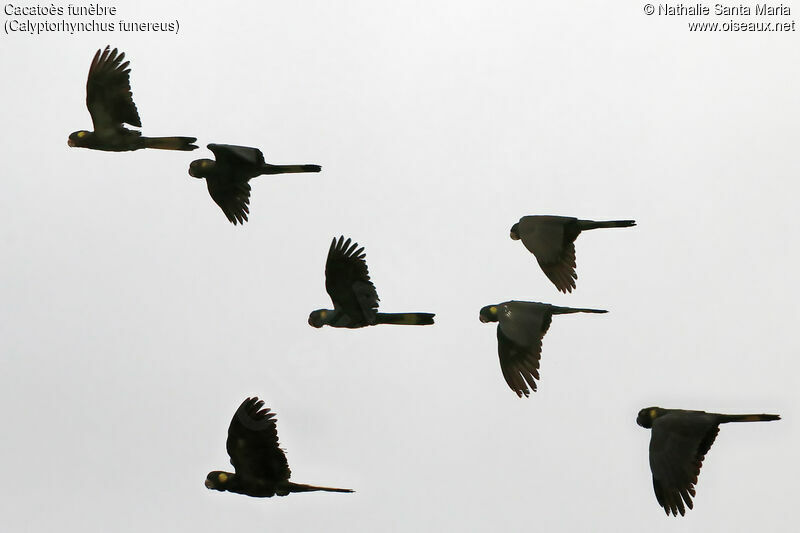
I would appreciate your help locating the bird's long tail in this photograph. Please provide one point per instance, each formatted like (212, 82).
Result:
(407, 319)
(287, 169)
(749, 418)
(567, 310)
(170, 143)
(300, 487)
(591, 224)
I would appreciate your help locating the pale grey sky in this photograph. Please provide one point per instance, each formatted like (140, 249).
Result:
(136, 318)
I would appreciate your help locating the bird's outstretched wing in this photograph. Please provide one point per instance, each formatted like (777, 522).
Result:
(678, 445)
(253, 443)
(233, 197)
(552, 241)
(108, 92)
(520, 330)
(347, 281)
(237, 156)
(562, 271)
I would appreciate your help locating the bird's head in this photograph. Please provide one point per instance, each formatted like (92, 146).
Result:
(647, 415)
(200, 167)
(218, 480)
(515, 232)
(319, 318)
(79, 138)
(488, 314)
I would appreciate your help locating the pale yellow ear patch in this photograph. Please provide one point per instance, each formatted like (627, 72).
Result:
(323, 314)
(653, 413)
(81, 134)
(493, 310)
(204, 164)
(223, 477)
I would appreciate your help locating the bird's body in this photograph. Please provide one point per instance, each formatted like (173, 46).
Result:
(520, 329)
(551, 240)
(679, 441)
(110, 104)
(355, 300)
(262, 470)
(125, 140)
(228, 175)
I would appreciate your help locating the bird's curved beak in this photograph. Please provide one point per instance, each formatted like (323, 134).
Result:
(70, 143)
(209, 484)
(483, 319)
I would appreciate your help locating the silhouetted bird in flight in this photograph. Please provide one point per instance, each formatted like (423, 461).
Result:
(520, 329)
(355, 300)
(110, 103)
(261, 467)
(551, 239)
(679, 442)
(227, 177)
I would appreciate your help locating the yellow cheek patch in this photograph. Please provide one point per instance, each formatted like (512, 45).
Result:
(222, 478)
(653, 413)
(81, 134)
(205, 164)
(493, 310)
(323, 314)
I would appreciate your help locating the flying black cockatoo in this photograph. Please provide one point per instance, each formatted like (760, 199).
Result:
(227, 177)
(261, 467)
(678, 443)
(355, 300)
(520, 329)
(110, 103)
(552, 240)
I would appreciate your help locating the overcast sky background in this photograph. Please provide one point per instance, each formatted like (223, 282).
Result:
(135, 318)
